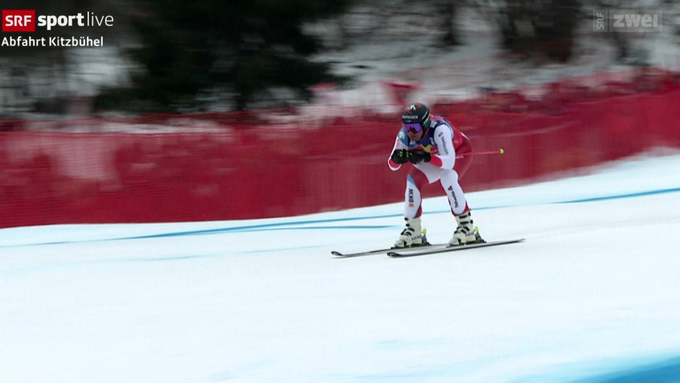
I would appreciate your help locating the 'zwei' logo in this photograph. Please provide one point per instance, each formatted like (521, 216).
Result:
(18, 20)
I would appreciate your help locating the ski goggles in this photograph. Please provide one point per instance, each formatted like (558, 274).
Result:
(413, 127)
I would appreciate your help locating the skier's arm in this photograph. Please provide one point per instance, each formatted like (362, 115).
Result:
(399, 145)
(446, 158)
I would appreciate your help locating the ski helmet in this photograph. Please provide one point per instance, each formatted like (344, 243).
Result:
(416, 117)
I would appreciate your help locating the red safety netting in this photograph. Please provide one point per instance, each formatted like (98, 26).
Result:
(242, 172)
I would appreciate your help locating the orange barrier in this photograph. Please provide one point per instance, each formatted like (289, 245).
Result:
(258, 172)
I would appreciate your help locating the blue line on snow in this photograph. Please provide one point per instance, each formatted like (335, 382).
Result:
(632, 195)
(292, 225)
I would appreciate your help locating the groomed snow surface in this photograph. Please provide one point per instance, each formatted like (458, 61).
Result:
(592, 295)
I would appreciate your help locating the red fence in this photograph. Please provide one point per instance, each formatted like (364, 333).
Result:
(56, 177)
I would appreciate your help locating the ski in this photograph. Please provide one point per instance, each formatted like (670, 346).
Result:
(404, 250)
(400, 254)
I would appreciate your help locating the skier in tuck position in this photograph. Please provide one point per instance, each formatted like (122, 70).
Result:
(430, 143)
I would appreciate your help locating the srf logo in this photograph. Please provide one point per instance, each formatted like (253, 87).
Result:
(621, 20)
(18, 20)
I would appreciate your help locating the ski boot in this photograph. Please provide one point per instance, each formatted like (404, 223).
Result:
(466, 232)
(412, 235)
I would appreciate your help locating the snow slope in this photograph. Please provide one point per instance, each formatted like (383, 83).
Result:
(593, 295)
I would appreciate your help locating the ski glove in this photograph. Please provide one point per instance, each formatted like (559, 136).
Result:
(400, 156)
(418, 155)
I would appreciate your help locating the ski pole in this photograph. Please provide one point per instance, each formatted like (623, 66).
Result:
(498, 151)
